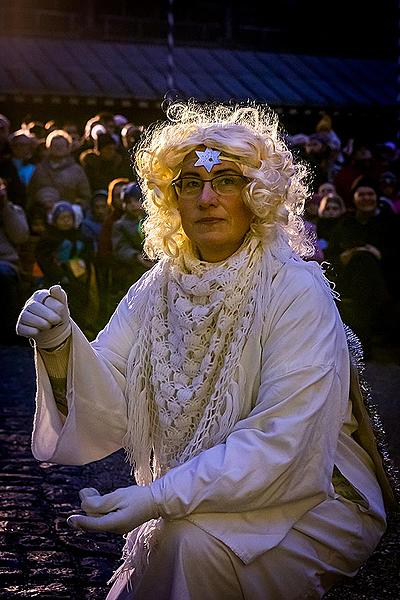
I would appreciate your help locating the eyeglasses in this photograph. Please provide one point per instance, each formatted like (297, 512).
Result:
(191, 188)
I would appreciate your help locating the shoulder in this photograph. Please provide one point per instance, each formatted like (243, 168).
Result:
(301, 285)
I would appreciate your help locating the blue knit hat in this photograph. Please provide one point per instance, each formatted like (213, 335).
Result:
(59, 208)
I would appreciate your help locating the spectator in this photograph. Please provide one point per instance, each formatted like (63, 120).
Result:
(104, 163)
(389, 192)
(326, 188)
(22, 146)
(45, 198)
(59, 170)
(321, 155)
(130, 135)
(364, 250)
(127, 241)
(65, 256)
(93, 222)
(330, 209)
(13, 232)
(8, 171)
(360, 163)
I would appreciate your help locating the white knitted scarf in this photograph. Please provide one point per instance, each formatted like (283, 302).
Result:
(183, 389)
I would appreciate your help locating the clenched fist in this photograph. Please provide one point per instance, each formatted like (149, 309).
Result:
(45, 318)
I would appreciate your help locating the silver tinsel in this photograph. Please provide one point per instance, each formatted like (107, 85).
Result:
(357, 358)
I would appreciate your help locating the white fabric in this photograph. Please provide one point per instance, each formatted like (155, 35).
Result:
(327, 543)
(183, 381)
(295, 421)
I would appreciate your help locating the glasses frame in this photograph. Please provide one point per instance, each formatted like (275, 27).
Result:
(203, 181)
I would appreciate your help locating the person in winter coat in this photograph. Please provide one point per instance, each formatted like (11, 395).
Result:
(59, 170)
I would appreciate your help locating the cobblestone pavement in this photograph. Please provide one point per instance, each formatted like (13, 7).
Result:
(41, 557)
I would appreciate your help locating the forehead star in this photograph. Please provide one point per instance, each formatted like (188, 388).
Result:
(207, 158)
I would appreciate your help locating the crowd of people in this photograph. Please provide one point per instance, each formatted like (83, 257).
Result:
(71, 214)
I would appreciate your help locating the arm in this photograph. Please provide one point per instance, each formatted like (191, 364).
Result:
(97, 413)
(14, 222)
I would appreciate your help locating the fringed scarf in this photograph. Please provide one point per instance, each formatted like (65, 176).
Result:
(183, 386)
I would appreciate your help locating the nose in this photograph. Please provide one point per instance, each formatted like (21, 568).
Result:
(208, 196)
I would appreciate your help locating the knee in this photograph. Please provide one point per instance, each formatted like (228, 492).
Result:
(187, 540)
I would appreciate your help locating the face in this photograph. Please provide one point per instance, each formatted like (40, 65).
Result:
(332, 210)
(21, 147)
(38, 226)
(365, 199)
(65, 221)
(100, 209)
(326, 188)
(314, 146)
(133, 207)
(215, 224)
(59, 147)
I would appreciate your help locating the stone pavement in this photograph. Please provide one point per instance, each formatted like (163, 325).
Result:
(41, 557)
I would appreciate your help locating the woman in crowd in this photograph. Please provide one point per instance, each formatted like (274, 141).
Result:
(225, 374)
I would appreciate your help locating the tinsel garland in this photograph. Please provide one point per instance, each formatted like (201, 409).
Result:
(357, 357)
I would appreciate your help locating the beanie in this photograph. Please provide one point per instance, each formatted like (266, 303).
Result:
(365, 181)
(59, 208)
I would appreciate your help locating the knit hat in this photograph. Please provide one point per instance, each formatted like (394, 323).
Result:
(59, 208)
(103, 140)
(365, 181)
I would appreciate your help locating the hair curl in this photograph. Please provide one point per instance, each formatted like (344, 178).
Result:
(250, 135)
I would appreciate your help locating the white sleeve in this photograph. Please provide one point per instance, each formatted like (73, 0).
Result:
(283, 451)
(97, 412)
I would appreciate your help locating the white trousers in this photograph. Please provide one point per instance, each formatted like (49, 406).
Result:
(330, 542)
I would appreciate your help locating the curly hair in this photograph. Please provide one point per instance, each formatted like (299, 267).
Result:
(249, 135)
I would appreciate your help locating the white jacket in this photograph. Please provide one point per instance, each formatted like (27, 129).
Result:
(277, 462)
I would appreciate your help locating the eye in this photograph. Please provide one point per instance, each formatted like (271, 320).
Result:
(190, 184)
(228, 180)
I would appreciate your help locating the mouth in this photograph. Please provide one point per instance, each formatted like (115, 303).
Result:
(210, 220)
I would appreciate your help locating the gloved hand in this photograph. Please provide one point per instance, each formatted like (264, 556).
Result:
(119, 512)
(45, 318)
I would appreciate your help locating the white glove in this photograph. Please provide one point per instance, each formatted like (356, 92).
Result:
(119, 512)
(45, 318)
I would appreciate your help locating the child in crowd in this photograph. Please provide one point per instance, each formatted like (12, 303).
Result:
(94, 220)
(127, 240)
(330, 209)
(65, 256)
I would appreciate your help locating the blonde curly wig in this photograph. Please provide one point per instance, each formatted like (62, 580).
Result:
(249, 135)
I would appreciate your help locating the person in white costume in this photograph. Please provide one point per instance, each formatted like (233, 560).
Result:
(225, 374)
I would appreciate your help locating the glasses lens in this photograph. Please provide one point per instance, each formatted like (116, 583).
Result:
(226, 185)
(189, 186)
